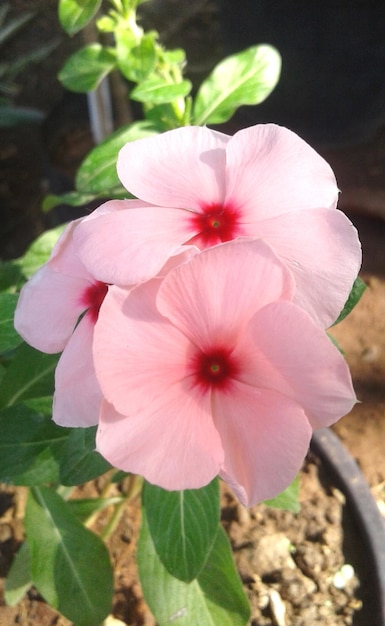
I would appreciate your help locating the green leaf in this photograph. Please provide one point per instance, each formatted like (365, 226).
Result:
(78, 459)
(10, 275)
(9, 338)
(247, 77)
(29, 375)
(84, 508)
(135, 61)
(97, 173)
(155, 90)
(28, 443)
(354, 297)
(18, 579)
(70, 565)
(215, 598)
(183, 526)
(86, 68)
(11, 115)
(9, 30)
(75, 14)
(71, 198)
(288, 499)
(39, 251)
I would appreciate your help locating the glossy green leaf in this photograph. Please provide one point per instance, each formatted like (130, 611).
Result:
(214, 598)
(9, 338)
(78, 459)
(29, 375)
(75, 14)
(183, 526)
(71, 198)
(18, 579)
(154, 90)
(39, 251)
(354, 297)
(70, 565)
(247, 77)
(288, 499)
(135, 61)
(97, 173)
(29, 442)
(86, 68)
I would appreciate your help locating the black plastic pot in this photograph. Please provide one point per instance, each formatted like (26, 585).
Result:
(347, 476)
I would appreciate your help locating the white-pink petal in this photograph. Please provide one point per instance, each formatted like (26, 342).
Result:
(48, 308)
(180, 168)
(138, 354)
(77, 397)
(131, 245)
(172, 443)
(212, 297)
(322, 249)
(287, 352)
(265, 437)
(270, 171)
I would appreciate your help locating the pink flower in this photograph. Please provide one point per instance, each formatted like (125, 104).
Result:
(214, 370)
(200, 186)
(47, 315)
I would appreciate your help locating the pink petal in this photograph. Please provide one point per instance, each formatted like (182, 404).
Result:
(212, 297)
(130, 245)
(48, 308)
(270, 170)
(294, 357)
(265, 436)
(138, 354)
(77, 396)
(64, 258)
(322, 249)
(172, 442)
(181, 168)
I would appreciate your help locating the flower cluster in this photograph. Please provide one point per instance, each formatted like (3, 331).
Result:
(192, 319)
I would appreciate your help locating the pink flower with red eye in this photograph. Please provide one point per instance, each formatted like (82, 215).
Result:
(214, 370)
(47, 317)
(202, 187)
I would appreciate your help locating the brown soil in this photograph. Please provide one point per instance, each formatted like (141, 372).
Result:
(288, 563)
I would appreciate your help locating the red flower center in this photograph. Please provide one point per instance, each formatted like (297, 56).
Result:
(216, 223)
(214, 369)
(92, 298)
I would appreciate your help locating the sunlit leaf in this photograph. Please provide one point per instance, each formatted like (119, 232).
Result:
(97, 173)
(70, 565)
(183, 526)
(288, 499)
(154, 90)
(71, 198)
(86, 68)
(75, 14)
(39, 251)
(214, 598)
(247, 77)
(135, 61)
(18, 579)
